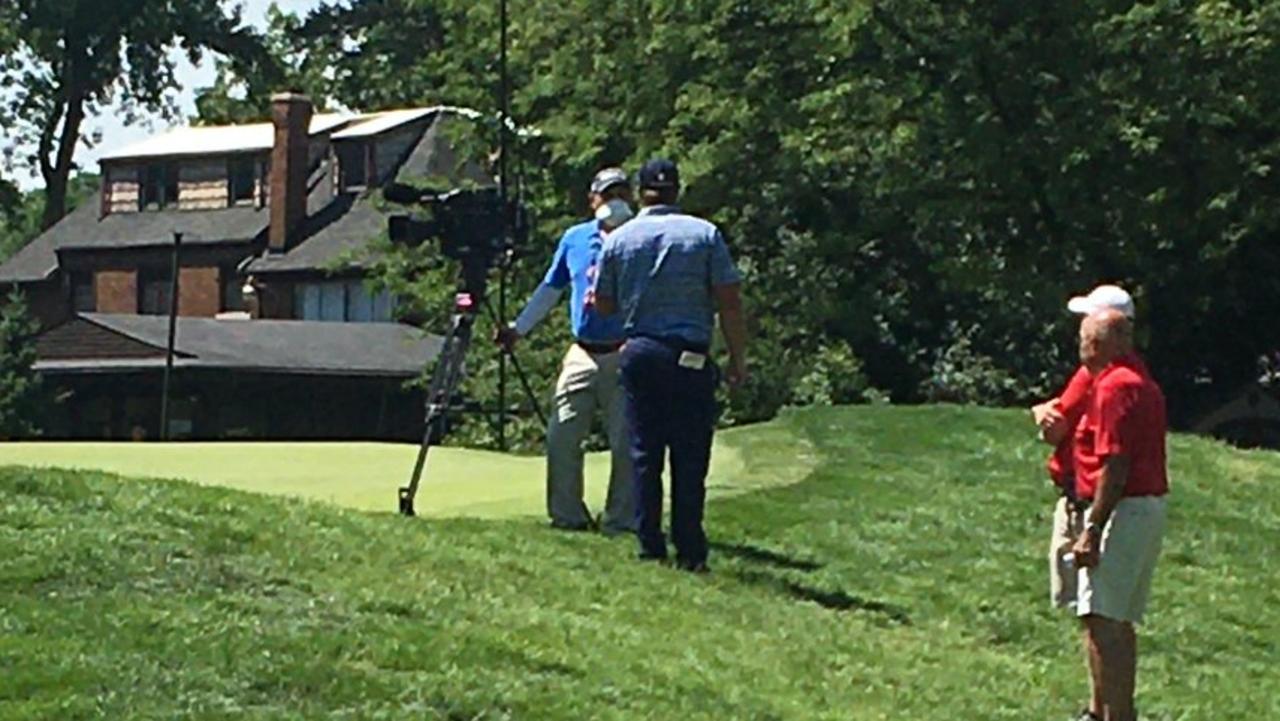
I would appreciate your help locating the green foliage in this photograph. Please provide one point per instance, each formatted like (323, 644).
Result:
(20, 393)
(961, 374)
(872, 589)
(889, 173)
(21, 213)
(239, 92)
(834, 377)
(63, 61)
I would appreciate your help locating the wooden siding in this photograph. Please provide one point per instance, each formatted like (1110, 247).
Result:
(198, 292)
(122, 190)
(202, 184)
(79, 339)
(117, 291)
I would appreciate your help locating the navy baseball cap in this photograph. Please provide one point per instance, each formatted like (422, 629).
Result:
(608, 178)
(659, 174)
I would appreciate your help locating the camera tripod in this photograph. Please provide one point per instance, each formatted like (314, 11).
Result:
(444, 384)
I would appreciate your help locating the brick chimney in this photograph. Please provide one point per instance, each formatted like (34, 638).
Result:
(291, 114)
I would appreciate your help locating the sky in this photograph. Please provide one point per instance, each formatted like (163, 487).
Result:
(116, 135)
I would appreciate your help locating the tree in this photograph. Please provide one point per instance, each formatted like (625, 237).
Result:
(239, 92)
(64, 60)
(21, 213)
(913, 188)
(19, 385)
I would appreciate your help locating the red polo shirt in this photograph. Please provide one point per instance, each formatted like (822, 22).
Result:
(1125, 415)
(1071, 404)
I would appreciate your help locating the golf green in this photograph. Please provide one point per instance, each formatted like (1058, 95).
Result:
(365, 476)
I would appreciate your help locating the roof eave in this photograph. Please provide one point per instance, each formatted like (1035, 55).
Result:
(25, 279)
(91, 368)
(195, 154)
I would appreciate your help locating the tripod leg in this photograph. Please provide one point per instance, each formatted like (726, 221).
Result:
(528, 389)
(515, 363)
(444, 382)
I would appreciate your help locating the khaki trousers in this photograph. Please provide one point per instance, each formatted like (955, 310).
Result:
(1068, 524)
(588, 382)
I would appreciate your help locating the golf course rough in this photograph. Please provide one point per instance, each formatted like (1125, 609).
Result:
(902, 577)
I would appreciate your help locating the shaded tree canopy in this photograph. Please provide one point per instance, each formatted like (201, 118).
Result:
(20, 400)
(914, 189)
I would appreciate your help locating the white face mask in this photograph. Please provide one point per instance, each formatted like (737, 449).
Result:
(614, 213)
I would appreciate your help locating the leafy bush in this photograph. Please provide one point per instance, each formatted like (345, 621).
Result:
(961, 374)
(20, 387)
(834, 377)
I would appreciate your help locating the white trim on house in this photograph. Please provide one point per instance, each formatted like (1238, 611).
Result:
(219, 140)
(379, 123)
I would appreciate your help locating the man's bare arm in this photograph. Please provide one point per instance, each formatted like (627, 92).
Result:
(1050, 421)
(1115, 476)
(1040, 411)
(733, 324)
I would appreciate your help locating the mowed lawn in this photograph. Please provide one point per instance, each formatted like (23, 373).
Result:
(901, 578)
(365, 476)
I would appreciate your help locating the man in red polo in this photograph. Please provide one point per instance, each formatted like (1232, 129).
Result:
(1121, 471)
(1057, 419)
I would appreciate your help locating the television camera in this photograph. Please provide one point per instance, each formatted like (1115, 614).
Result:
(472, 226)
(480, 230)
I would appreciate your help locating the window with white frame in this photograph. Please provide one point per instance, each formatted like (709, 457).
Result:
(342, 301)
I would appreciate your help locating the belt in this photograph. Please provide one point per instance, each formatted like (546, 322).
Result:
(1068, 490)
(599, 348)
(1089, 501)
(678, 343)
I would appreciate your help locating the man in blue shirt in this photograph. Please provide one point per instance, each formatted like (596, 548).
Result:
(589, 373)
(665, 275)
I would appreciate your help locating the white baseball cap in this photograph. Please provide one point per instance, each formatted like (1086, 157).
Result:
(1100, 298)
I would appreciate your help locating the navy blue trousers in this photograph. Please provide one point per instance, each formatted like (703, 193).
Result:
(669, 408)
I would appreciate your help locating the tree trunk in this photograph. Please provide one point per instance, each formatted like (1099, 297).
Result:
(56, 161)
(58, 173)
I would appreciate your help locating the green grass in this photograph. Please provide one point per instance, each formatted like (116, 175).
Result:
(365, 476)
(901, 579)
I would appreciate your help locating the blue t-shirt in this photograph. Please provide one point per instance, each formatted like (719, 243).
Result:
(660, 268)
(575, 264)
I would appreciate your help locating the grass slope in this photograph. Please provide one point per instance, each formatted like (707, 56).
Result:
(365, 476)
(902, 579)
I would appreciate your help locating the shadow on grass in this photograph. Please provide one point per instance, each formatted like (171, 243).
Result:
(748, 552)
(833, 600)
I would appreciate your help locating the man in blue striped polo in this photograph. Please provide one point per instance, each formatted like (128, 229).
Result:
(666, 274)
(589, 373)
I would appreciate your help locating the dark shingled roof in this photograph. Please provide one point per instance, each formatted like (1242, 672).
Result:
(84, 229)
(351, 222)
(336, 233)
(337, 225)
(271, 346)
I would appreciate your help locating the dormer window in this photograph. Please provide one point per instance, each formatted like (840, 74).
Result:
(159, 186)
(242, 181)
(353, 165)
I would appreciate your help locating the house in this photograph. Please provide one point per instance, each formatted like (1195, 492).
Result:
(277, 335)
(236, 379)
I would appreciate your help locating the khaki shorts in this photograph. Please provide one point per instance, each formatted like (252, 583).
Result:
(1118, 588)
(1067, 526)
